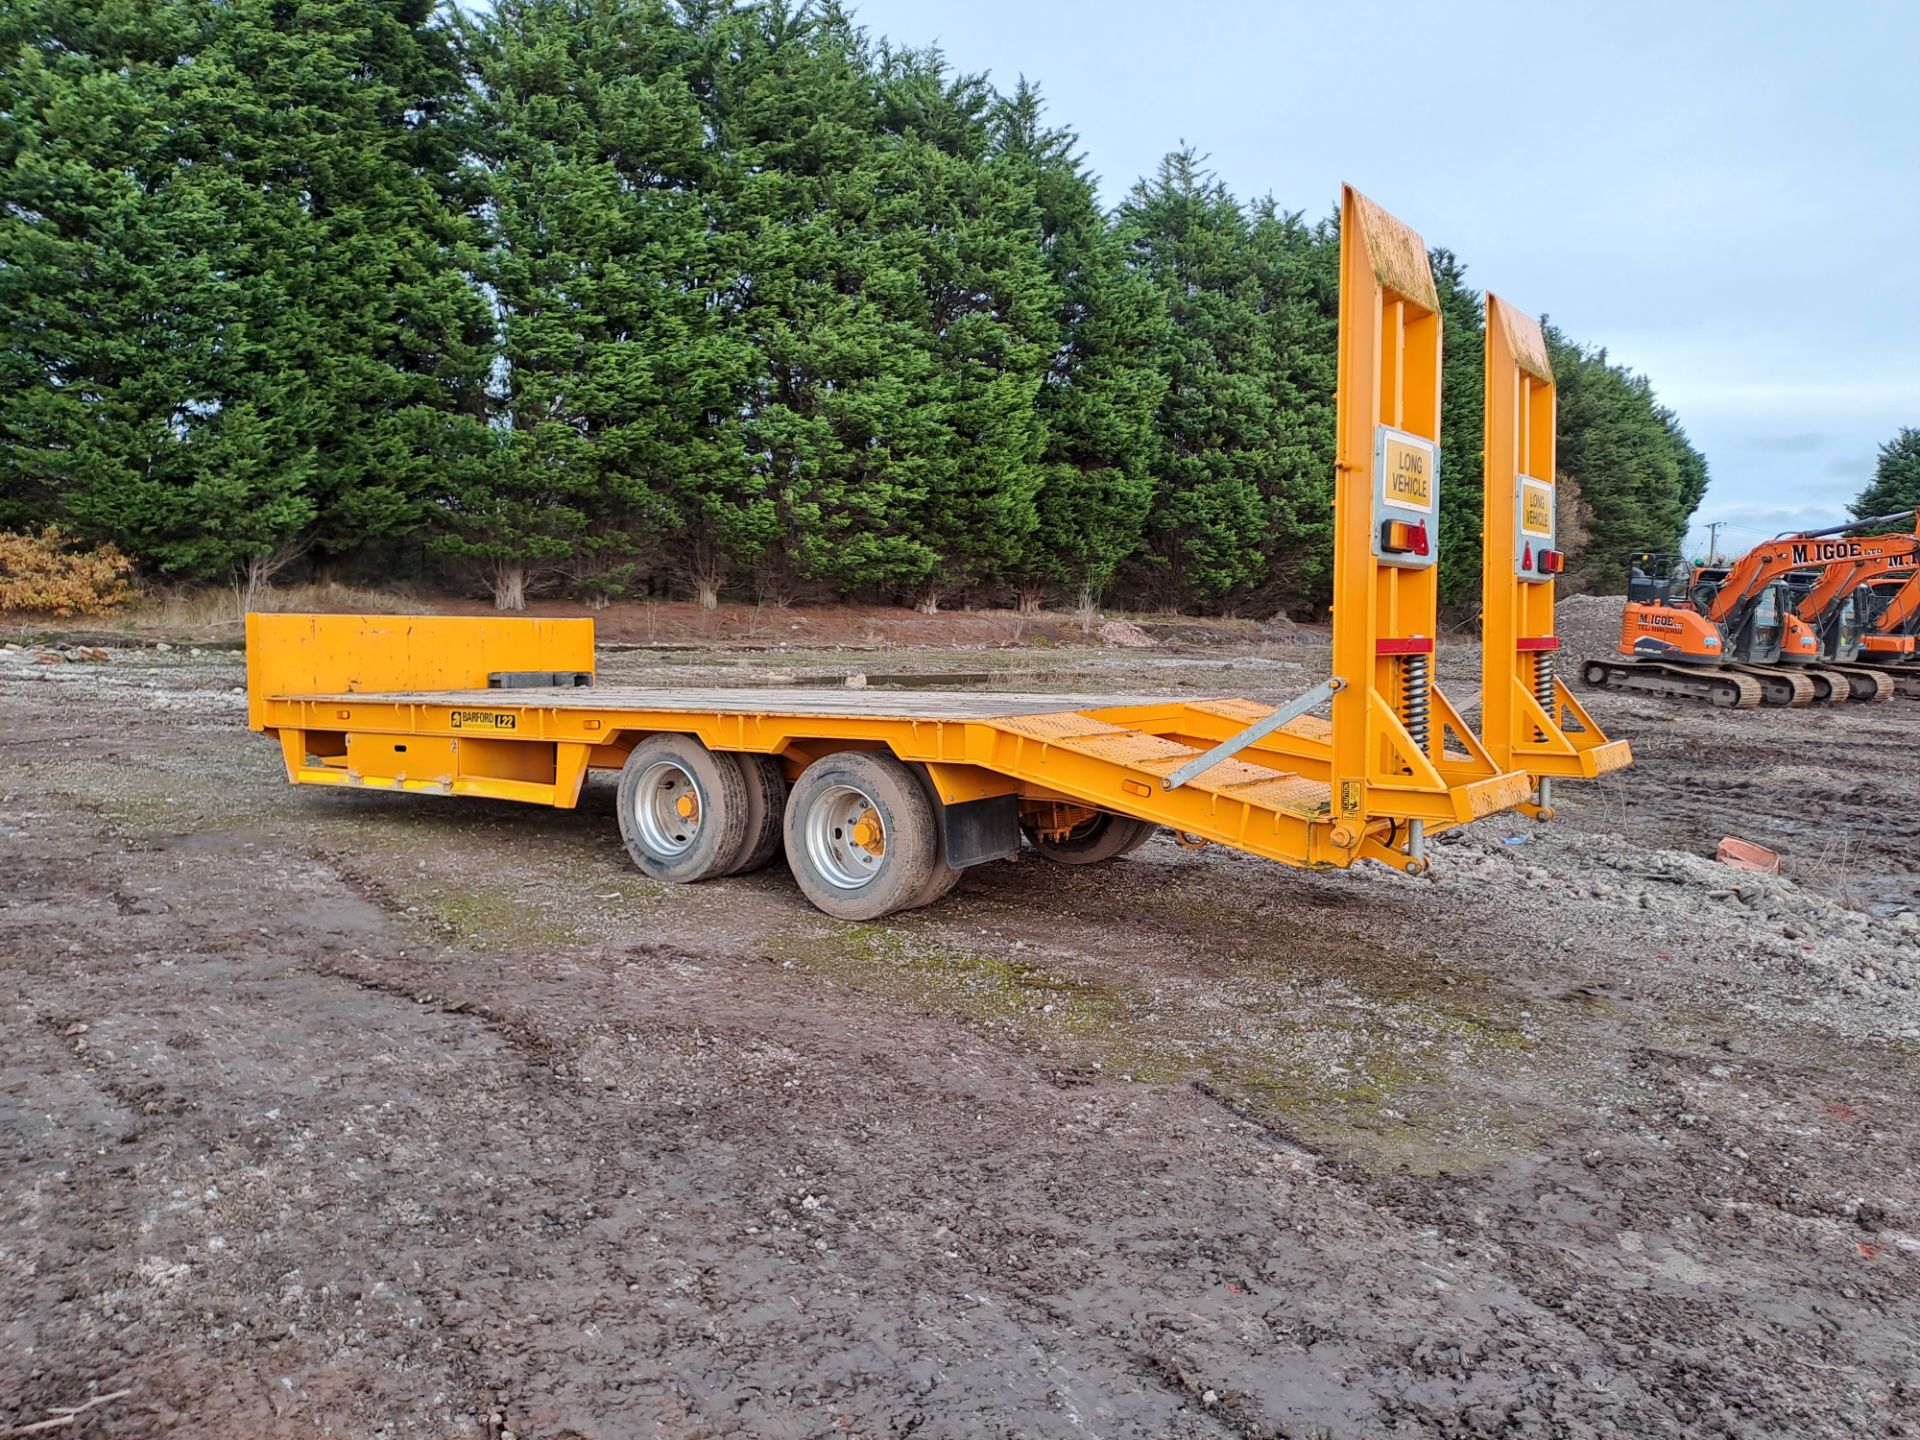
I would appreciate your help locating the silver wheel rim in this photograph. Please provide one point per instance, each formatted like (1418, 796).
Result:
(665, 827)
(846, 839)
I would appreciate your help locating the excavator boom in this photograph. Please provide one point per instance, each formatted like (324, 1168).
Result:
(1827, 549)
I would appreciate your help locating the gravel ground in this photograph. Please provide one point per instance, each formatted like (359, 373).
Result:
(1588, 625)
(344, 1113)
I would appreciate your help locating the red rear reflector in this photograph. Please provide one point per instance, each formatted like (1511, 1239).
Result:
(1526, 557)
(1552, 562)
(1404, 537)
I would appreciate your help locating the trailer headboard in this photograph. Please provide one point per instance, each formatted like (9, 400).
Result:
(329, 654)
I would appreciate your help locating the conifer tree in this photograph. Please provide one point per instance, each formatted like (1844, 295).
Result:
(1207, 529)
(828, 420)
(245, 310)
(618, 389)
(333, 113)
(1638, 476)
(1463, 367)
(1102, 389)
(891, 297)
(1298, 269)
(143, 397)
(1896, 477)
(965, 221)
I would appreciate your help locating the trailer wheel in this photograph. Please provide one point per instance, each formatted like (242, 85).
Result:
(683, 809)
(861, 836)
(1104, 837)
(766, 785)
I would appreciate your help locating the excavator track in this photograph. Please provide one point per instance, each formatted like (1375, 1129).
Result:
(1869, 684)
(1905, 680)
(1842, 684)
(1792, 689)
(1834, 681)
(1722, 688)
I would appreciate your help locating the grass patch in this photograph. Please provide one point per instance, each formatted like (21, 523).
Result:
(487, 917)
(218, 611)
(1375, 1078)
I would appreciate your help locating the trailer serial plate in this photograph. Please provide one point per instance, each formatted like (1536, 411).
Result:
(495, 721)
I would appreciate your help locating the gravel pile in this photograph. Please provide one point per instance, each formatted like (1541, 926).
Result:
(1589, 625)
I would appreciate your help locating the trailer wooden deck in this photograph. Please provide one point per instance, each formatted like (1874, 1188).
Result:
(787, 701)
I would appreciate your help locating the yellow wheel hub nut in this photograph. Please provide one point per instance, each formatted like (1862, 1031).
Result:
(685, 806)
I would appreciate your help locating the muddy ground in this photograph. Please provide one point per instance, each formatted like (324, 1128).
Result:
(329, 1113)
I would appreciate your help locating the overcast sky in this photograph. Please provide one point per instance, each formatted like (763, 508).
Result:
(1725, 195)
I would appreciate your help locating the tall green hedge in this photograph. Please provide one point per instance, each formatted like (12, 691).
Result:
(607, 295)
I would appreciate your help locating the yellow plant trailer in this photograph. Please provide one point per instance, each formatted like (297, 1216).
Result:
(879, 801)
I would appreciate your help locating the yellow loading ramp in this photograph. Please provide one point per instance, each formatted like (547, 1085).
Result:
(1529, 719)
(499, 707)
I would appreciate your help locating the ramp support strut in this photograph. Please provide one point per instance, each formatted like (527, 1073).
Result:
(1259, 730)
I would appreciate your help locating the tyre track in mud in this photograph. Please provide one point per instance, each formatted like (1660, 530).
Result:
(518, 1347)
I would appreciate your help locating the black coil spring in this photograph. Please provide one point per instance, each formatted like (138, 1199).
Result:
(1543, 680)
(1416, 698)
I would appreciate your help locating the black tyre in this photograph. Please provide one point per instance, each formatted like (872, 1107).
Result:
(939, 884)
(766, 788)
(944, 877)
(1104, 837)
(683, 809)
(860, 834)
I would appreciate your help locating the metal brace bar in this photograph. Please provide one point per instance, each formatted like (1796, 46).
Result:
(1259, 730)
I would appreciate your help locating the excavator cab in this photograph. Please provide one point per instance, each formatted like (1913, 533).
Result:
(1652, 579)
(1872, 600)
(1758, 637)
(1883, 594)
(1756, 630)
(1663, 617)
(1888, 609)
(1799, 584)
(1836, 630)
(1841, 636)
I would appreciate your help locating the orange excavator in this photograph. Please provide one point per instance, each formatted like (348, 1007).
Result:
(1887, 616)
(1838, 601)
(1735, 636)
(1892, 633)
